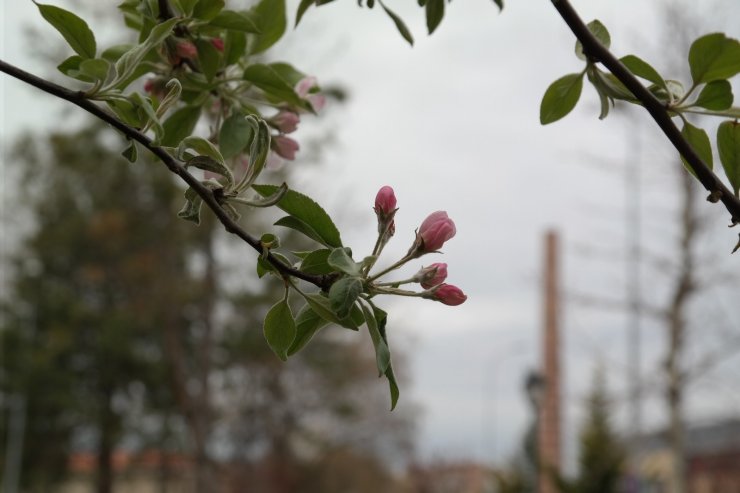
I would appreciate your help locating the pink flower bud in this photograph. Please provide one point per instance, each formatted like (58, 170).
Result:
(431, 276)
(218, 43)
(318, 101)
(285, 121)
(433, 232)
(449, 295)
(186, 49)
(385, 201)
(149, 85)
(285, 147)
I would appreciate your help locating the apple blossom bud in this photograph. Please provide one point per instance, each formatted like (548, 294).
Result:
(431, 276)
(186, 49)
(436, 229)
(318, 101)
(149, 85)
(284, 147)
(385, 201)
(449, 295)
(218, 43)
(285, 121)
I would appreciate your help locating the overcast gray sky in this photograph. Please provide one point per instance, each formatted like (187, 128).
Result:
(452, 124)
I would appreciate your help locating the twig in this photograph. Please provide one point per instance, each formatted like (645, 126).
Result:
(78, 98)
(594, 49)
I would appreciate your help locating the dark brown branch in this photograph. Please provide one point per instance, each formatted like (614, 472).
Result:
(78, 98)
(657, 110)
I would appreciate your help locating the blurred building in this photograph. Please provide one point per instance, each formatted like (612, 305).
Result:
(450, 477)
(712, 459)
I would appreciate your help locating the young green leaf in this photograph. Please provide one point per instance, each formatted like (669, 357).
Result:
(209, 58)
(308, 322)
(400, 25)
(642, 69)
(343, 294)
(273, 83)
(71, 68)
(306, 210)
(728, 145)
(560, 98)
(74, 30)
(191, 210)
(206, 10)
(717, 95)
(128, 63)
(499, 4)
(235, 21)
(280, 329)
(271, 21)
(235, 46)
(435, 10)
(207, 163)
(302, 8)
(600, 32)
(95, 68)
(341, 260)
(714, 57)
(236, 133)
(201, 146)
(382, 353)
(316, 262)
(300, 226)
(699, 141)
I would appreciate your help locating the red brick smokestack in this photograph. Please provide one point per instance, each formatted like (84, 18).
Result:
(549, 428)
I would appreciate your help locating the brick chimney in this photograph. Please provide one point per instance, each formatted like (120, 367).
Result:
(549, 428)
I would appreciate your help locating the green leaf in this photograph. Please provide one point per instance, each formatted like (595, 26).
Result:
(300, 226)
(235, 46)
(393, 385)
(500, 4)
(280, 329)
(148, 115)
(201, 146)
(235, 21)
(699, 141)
(271, 21)
(125, 111)
(382, 352)
(435, 10)
(560, 98)
(74, 30)
(263, 266)
(207, 163)
(308, 322)
(209, 58)
(341, 260)
(305, 209)
(258, 150)
(206, 10)
(71, 68)
(316, 262)
(714, 57)
(269, 79)
(95, 68)
(302, 8)
(129, 61)
(642, 69)
(236, 133)
(268, 201)
(180, 125)
(322, 306)
(130, 152)
(717, 95)
(728, 145)
(343, 294)
(113, 53)
(399, 24)
(600, 32)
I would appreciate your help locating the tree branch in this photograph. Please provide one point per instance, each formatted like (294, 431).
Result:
(594, 49)
(78, 98)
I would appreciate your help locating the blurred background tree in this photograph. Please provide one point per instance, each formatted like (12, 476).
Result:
(125, 331)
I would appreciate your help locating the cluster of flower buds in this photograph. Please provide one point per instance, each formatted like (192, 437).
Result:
(287, 119)
(434, 231)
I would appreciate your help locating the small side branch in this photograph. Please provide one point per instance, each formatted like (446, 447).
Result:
(718, 191)
(78, 98)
